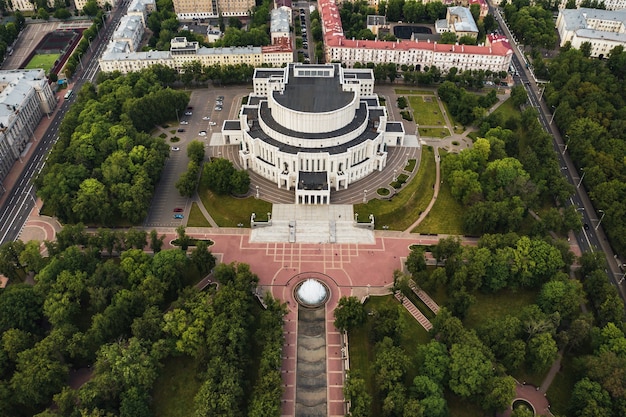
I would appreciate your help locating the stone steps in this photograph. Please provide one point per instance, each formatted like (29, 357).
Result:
(421, 294)
(414, 311)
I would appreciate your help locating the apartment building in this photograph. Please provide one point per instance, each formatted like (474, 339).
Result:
(25, 96)
(495, 55)
(603, 29)
(204, 9)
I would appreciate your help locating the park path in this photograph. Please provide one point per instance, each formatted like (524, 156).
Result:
(435, 194)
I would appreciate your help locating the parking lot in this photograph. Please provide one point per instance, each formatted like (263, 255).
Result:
(203, 124)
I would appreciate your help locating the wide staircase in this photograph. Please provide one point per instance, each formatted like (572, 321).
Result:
(414, 311)
(430, 303)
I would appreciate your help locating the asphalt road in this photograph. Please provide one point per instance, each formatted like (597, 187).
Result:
(21, 199)
(590, 237)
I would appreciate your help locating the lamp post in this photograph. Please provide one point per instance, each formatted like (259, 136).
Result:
(89, 41)
(177, 119)
(581, 178)
(257, 192)
(395, 171)
(34, 201)
(603, 214)
(553, 113)
(566, 145)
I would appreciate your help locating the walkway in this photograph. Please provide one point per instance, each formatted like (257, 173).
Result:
(414, 311)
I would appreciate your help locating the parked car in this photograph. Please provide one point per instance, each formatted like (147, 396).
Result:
(180, 130)
(188, 113)
(184, 122)
(206, 118)
(202, 133)
(175, 148)
(178, 210)
(218, 108)
(220, 97)
(212, 124)
(179, 216)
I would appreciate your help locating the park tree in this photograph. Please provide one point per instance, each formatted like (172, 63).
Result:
(195, 151)
(390, 365)
(470, 370)
(430, 395)
(20, 308)
(202, 258)
(386, 323)
(500, 393)
(10, 264)
(217, 175)
(39, 374)
(563, 295)
(416, 262)
(436, 361)
(542, 351)
(156, 241)
(349, 313)
(31, 257)
(589, 399)
(240, 182)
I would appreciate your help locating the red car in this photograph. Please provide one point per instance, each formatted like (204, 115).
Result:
(178, 210)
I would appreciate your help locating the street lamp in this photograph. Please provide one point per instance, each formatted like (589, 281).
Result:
(581, 178)
(177, 119)
(34, 202)
(566, 145)
(553, 113)
(395, 171)
(603, 214)
(257, 192)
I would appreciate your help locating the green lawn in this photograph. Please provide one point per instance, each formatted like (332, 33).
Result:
(405, 207)
(460, 407)
(440, 132)
(493, 306)
(410, 91)
(426, 112)
(508, 110)
(45, 61)
(196, 218)
(457, 127)
(560, 390)
(176, 387)
(228, 211)
(446, 216)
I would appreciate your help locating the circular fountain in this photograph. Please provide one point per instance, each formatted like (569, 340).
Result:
(311, 293)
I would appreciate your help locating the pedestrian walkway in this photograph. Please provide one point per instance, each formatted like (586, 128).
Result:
(414, 311)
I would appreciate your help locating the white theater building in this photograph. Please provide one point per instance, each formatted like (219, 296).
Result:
(313, 128)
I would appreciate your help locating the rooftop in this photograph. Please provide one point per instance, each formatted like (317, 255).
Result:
(295, 91)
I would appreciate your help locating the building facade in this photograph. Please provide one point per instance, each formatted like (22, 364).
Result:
(495, 55)
(603, 29)
(25, 96)
(608, 4)
(313, 128)
(118, 57)
(79, 4)
(204, 9)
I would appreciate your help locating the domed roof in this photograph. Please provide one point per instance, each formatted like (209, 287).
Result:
(312, 292)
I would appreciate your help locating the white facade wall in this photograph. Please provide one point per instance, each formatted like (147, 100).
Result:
(604, 30)
(422, 57)
(25, 96)
(283, 167)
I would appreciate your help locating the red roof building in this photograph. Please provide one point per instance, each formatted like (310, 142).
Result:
(495, 55)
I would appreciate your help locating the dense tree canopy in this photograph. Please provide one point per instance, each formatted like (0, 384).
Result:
(104, 166)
